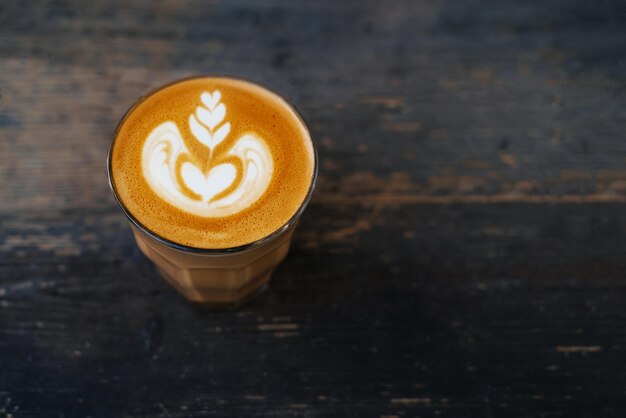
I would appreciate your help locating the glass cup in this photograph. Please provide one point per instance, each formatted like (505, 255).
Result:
(215, 278)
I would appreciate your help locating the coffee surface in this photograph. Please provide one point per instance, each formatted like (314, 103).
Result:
(212, 162)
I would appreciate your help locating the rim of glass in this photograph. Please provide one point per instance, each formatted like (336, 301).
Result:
(198, 250)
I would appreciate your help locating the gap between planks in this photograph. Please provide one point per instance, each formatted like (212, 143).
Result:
(392, 200)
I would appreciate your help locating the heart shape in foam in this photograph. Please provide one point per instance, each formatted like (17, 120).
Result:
(211, 194)
(211, 100)
(208, 185)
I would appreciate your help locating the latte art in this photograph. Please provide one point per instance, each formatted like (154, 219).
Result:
(217, 183)
(212, 162)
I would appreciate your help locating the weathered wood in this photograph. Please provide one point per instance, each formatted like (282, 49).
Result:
(464, 254)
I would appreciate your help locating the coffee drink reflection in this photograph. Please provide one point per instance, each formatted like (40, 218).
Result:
(209, 168)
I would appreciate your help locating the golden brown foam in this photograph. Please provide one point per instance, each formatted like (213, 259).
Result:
(250, 109)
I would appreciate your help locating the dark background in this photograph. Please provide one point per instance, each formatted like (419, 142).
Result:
(464, 254)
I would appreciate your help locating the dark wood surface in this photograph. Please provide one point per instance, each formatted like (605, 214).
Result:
(463, 256)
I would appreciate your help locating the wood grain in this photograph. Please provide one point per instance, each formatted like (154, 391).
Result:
(463, 256)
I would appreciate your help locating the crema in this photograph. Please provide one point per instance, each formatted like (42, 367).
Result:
(212, 162)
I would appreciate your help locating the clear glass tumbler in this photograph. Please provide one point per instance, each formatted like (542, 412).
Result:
(220, 278)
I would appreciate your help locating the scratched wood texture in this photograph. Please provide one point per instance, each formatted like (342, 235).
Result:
(463, 256)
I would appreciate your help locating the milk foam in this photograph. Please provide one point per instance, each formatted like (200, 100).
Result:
(234, 180)
(212, 162)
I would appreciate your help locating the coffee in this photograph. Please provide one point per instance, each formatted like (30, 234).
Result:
(212, 163)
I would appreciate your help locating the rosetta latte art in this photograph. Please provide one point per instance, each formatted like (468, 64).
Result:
(216, 184)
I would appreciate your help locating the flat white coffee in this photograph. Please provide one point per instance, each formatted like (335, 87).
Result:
(212, 162)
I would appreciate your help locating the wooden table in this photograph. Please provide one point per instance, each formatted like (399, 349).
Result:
(463, 256)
